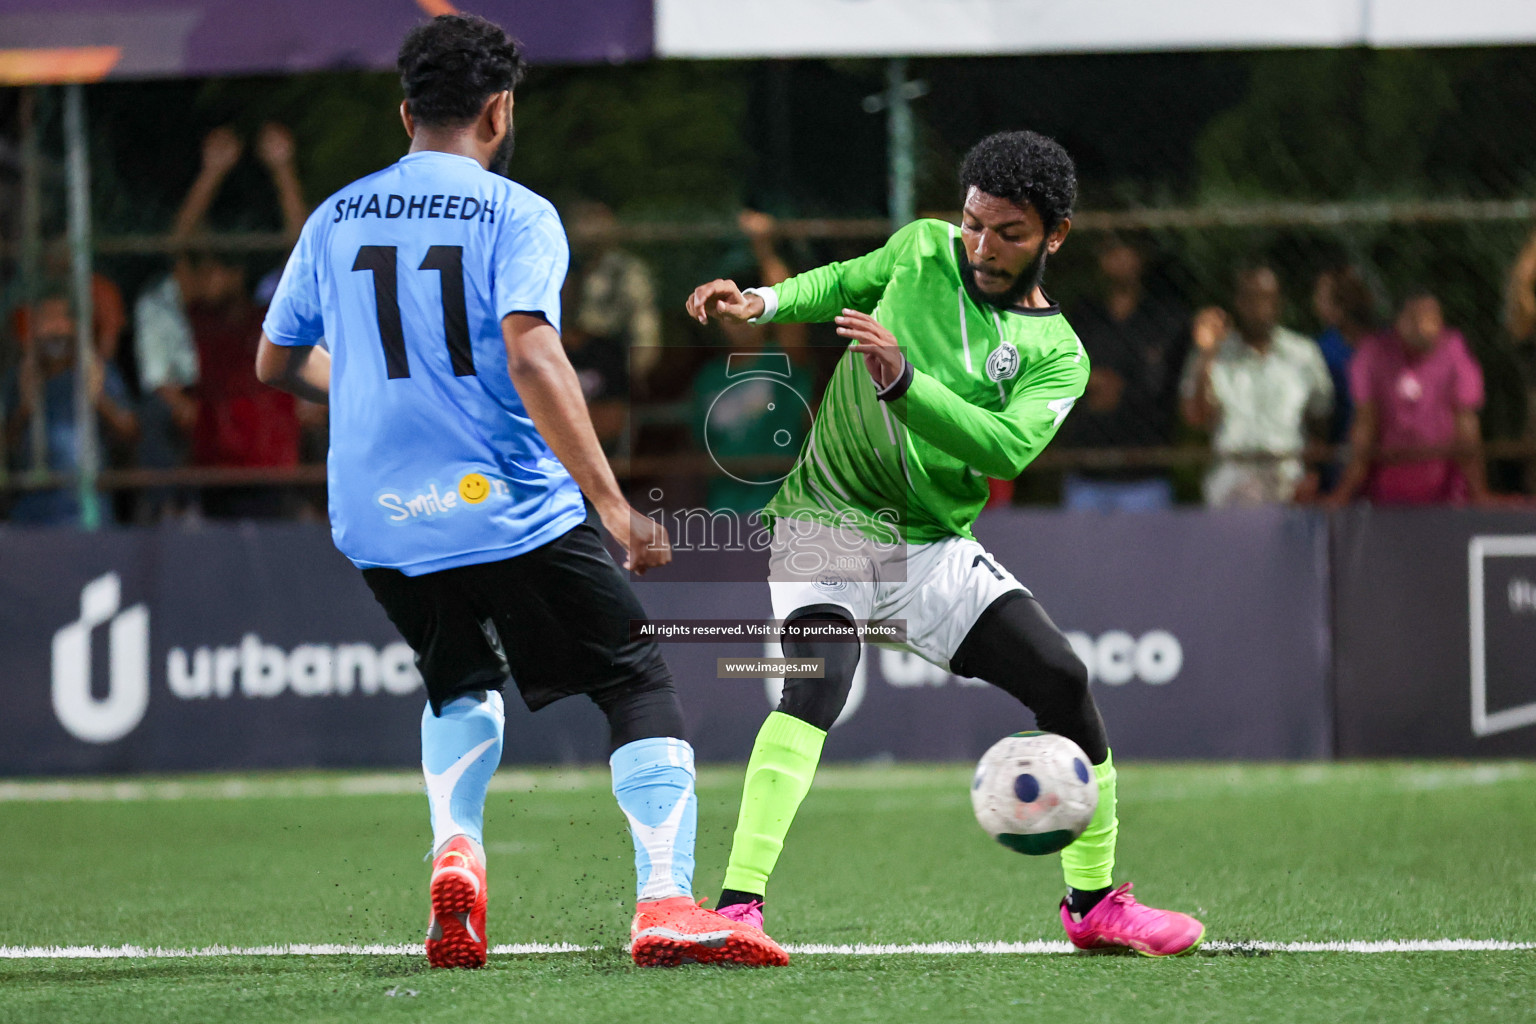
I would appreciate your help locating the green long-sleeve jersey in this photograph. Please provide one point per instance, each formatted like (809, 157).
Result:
(988, 389)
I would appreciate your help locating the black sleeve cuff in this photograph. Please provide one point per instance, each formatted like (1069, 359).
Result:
(898, 387)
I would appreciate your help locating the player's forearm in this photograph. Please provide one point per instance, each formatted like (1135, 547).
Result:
(195, 206)
(290, 197)
(817, 296)
(303, 371)
(995, 443)
(552, 395)
(312, 382)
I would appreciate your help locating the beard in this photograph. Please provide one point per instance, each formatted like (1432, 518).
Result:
(1027, 281)
(502, 161)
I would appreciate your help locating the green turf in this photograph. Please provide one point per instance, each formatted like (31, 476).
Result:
(889, 855)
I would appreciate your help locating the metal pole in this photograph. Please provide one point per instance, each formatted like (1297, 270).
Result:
(901, 143)
(78, 169)
(31, 253)
(903, 173)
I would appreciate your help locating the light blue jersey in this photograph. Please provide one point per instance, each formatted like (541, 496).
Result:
(407, 275)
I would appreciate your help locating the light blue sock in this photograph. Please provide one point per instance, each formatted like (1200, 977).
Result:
(460, 750)
(653, 781)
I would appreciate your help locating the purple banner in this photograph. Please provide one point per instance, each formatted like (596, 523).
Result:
(189, 38)
(258, 646)
(1435, 627)
(1205, 635)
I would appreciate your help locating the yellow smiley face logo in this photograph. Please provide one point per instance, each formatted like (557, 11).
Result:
(474, 488)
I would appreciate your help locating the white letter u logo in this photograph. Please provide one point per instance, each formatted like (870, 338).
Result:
(116, 715)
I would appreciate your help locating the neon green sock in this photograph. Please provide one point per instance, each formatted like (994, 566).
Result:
(779, 775)
(1089, 863)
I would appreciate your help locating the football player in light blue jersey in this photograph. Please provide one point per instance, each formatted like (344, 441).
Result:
(465, 480)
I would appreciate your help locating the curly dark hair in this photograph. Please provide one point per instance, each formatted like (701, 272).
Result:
(449, 66)
(1023, 167)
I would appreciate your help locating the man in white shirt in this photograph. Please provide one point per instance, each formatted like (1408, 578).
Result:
(1256, 387)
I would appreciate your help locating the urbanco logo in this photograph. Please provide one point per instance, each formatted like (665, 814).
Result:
(1116, 657)
(79, 711)
(250, 669)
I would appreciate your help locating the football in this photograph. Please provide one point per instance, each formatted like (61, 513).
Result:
(1034, 792)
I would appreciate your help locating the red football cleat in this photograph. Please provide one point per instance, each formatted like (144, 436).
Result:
(678, 931)
(456, 931)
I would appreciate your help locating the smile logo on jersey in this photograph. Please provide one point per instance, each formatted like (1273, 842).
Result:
(474, 488)
(432, 501)
(1003, 362)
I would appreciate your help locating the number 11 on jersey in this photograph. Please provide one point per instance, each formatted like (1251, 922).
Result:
(448, 261)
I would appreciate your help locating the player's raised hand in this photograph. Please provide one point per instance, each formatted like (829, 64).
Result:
(644, 540)
(879, 347)
(1209, 327)
(274, 145)
(755, 223)
(723, 301)
(221, 150)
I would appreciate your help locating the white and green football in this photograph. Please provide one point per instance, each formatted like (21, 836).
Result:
(1034, 792)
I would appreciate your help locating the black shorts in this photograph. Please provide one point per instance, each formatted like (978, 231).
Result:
(556, 620)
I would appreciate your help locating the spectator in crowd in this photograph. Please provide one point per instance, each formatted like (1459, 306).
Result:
(1347, 310)
(45, 382)
(1415, 387)
(1136, 345)
(109, 315)
(1257, 387)
(167, 365)
(754, 400)
(1520, 326)
(1520, 296)
(108, 320)
(197, 331)
(614, 335)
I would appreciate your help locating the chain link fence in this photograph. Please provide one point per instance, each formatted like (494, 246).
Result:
(1411, 167)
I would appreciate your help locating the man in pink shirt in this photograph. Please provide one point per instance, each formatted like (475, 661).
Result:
(1415, 387)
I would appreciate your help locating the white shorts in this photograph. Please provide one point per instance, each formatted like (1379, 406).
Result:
(938, 589)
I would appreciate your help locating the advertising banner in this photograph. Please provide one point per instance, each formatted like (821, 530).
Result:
(1205, 635)
(152, 38)
(258, 646)
(1435, 633)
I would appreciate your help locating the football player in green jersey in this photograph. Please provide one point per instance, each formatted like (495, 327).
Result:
(959, 368)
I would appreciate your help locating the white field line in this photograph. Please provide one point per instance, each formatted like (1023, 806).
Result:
(277, 786)
(272, 787)
(860, 949)
(1221, 779)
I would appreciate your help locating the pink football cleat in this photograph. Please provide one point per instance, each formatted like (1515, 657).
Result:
(744, 913)
(1119, 922)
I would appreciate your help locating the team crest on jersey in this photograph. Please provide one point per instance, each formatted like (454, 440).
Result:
(1003, 363)
(831, 583)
